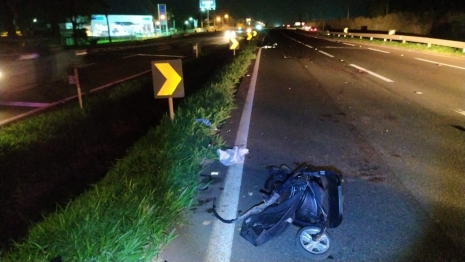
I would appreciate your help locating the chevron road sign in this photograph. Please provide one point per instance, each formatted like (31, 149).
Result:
(167, 78)
(234, 43)
(167, 81)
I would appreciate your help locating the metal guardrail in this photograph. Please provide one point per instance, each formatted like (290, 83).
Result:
(404, 39)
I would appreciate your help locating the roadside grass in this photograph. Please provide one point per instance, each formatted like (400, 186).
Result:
(51, 126)
(409, 46)
(130, 214)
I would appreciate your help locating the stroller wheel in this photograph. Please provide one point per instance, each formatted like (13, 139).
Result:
(313, 249)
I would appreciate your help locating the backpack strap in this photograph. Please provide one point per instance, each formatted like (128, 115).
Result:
(227, 221)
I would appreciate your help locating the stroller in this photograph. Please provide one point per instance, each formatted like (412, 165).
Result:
(308, 198)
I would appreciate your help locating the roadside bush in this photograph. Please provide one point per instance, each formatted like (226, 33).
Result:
(447, 26)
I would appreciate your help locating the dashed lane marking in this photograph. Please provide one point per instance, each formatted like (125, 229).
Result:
(438, 63)
(377, 50)
(326, 54)
(372, 73)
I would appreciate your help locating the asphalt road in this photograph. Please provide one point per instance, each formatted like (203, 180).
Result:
(390, 120)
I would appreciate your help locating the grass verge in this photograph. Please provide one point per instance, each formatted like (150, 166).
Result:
(129, 215)
(410, 46)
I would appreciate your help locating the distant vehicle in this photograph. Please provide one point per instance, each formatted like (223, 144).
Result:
(310, 29)
(240, 30)
(230, 34)
(206, 29)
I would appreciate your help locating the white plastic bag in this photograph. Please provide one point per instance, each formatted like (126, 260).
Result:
(232, 156)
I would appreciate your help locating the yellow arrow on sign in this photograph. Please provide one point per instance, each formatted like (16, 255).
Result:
(172, 79)
(234, 43)
(249, 36)
(254, 33)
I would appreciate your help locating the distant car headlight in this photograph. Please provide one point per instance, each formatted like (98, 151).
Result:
(229, 34)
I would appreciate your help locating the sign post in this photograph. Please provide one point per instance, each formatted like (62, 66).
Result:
(207, 5)
(168, 81)
(78, 86)
(162, 18)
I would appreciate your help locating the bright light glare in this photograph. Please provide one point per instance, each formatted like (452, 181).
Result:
(249, 30)
(259, 27)
(229, 34)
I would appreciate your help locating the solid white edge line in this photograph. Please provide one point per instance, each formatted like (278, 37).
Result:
(324, 53)
(222, 235)
(372, 73)
(348, 44)
(377, 50)
(429, 61)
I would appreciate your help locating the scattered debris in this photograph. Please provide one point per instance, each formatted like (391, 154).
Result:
(203, 121)
(207, 222)
(232, 156)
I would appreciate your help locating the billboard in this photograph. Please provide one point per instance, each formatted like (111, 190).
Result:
(122, 25)
(207, 5)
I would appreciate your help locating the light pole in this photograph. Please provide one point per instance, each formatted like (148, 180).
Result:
(157, 24)
(201, 19)
(191, 22)
(226, 17)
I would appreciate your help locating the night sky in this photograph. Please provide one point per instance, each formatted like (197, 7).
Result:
(270, 11)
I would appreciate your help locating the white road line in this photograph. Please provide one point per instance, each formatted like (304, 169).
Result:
(460, 111)
(24, 104)
(221, 238)
(348, 44)
(377, 50)
(324, 53)
(429, 61)
(309, 46)
(372, 73)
